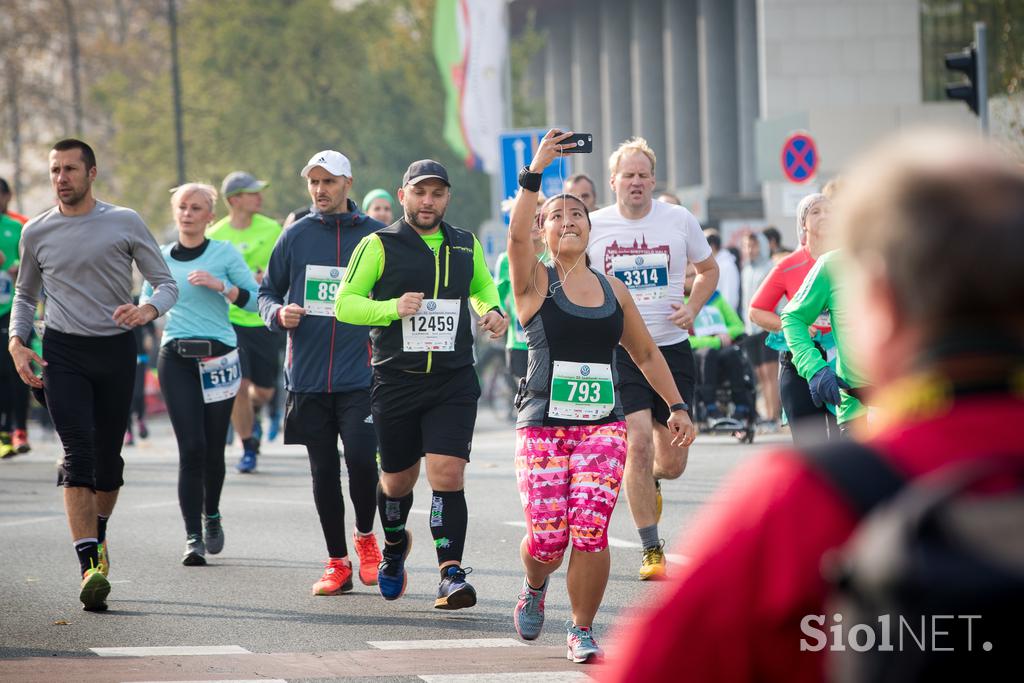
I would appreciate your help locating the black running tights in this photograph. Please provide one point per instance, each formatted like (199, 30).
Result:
(201, 430)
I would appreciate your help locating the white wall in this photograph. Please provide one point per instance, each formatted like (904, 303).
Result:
(849, 71)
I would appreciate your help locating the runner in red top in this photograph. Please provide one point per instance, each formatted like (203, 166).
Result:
(807, 422)
(755, 556)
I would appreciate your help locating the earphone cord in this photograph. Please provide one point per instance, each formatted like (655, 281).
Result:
(555, 286)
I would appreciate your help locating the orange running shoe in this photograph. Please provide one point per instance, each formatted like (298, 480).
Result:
(337, 578)
(369, 557)
(19, 441)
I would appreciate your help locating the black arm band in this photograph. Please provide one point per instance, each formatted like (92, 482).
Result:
(678, 406)
(242, 299)
(529, 181)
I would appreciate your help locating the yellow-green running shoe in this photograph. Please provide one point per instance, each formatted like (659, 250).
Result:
(103, 561)
(95, 589)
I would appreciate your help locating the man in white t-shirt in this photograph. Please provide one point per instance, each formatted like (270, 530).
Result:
(647, 244)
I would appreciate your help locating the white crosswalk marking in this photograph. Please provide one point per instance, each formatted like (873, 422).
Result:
(444, 644)
(184, 650)
(525, 676)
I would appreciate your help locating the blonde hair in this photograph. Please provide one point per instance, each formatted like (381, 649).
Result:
(208, 192)
(631, 146)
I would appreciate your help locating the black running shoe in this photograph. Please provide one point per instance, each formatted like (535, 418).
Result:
(454, 592)
(213, 532)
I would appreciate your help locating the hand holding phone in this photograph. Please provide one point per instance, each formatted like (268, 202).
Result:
(578, 143)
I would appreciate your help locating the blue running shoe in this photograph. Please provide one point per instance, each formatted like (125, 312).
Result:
(454, 592)
(275, 427)
(257, 429)
(581, 646)
(528, 615)
(248, 462)
(391, 575)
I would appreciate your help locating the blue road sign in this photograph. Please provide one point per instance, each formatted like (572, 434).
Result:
(517, 148)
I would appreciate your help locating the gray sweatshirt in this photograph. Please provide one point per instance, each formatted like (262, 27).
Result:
(85, 265)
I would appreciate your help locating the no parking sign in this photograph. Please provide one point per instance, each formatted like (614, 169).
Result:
(799, 157)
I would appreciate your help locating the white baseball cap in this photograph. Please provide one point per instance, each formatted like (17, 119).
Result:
(333, 162)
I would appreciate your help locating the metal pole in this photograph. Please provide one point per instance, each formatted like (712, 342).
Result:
(981, 50)
(172, 17)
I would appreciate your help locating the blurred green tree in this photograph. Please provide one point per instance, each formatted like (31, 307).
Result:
(268, 84)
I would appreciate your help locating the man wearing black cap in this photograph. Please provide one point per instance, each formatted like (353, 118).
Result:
(422, 273)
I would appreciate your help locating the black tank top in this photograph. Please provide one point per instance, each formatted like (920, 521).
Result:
(563, 331)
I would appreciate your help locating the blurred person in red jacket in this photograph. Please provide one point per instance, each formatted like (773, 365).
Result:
(933, 228)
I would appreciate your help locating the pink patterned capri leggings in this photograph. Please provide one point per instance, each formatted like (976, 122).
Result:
(569, 480)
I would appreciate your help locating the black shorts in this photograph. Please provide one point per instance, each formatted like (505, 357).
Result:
(757, 352)
(419, 414)
(259, 352)
(638, 395)
(312, 418)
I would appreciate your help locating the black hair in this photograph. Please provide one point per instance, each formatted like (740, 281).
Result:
(88, 156)
(4, 187)
(714, 240)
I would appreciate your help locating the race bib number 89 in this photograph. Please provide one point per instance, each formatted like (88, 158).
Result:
(433, 327)
(322, 284)
(581, 391)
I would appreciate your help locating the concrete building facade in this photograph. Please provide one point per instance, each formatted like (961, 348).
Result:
(716, 86)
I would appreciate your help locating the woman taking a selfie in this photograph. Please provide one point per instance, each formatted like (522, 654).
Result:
(198, 362)
(571, 433)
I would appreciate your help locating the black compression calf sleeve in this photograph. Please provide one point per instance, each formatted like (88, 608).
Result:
(394, 512)
(448, 521)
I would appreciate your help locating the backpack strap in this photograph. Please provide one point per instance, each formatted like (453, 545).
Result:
(863, 476)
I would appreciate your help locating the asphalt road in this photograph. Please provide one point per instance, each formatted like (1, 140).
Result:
(253, 601)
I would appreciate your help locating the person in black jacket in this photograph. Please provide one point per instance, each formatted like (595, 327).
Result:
(327, 366)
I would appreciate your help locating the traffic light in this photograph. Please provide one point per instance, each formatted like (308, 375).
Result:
(965, 61)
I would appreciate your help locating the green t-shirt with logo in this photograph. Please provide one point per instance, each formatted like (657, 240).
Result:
(10, 236)
(255, 243)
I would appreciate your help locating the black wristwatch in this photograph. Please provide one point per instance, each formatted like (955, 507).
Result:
(679, 406)
(528, 180)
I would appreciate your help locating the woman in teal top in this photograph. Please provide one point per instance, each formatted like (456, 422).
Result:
(198, 363)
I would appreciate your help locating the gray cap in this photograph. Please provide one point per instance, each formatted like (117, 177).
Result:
(238, 182)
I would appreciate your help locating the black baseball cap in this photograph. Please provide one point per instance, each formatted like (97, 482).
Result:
(423, 169)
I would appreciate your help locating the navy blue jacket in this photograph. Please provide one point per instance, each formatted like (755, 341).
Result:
(324, 355)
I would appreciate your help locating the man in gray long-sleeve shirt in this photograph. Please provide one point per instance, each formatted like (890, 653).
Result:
(81, 251)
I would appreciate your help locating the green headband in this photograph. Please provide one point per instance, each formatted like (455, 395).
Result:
(377, 194)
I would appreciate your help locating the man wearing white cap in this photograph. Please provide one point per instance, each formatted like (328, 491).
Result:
(327, 369)
(254, 235)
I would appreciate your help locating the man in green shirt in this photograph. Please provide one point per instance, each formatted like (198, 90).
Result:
(254, 235)
(422, 274)
(819, 295)
(13, 392)
(515, 342)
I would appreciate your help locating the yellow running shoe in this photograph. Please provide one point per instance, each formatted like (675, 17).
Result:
(95, 589)
(103, 563)
(652, 566)
(658, 499)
